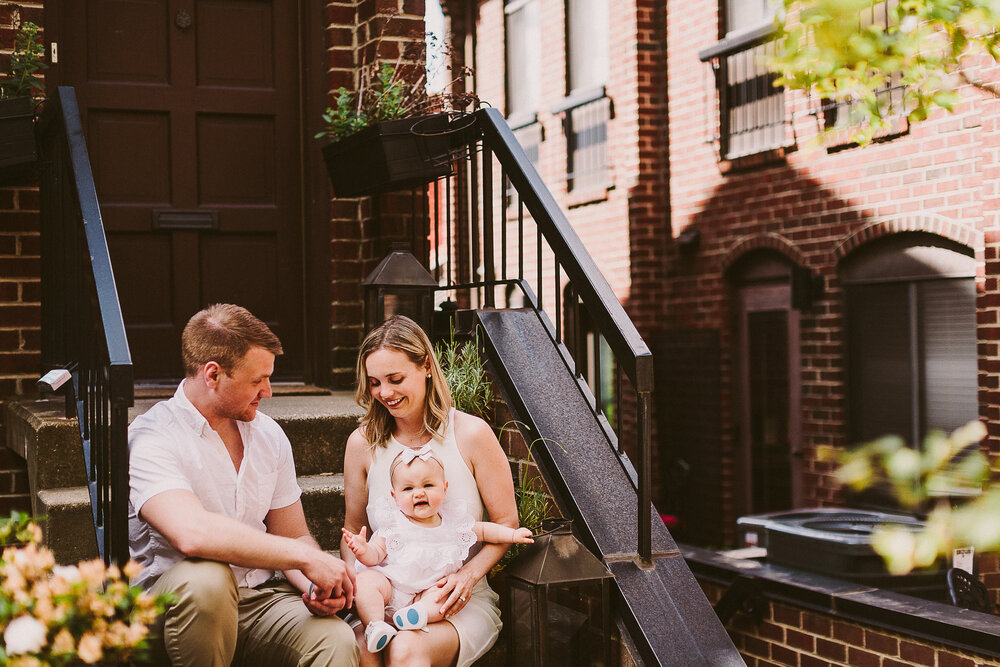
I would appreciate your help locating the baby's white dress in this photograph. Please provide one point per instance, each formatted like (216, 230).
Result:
(478, 623)
(417, 556)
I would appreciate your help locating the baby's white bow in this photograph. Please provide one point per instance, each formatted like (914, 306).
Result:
(408, 454)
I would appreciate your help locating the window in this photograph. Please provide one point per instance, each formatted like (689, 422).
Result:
(911, 335)
(751, 109)
(840, 115)
(524, 53)
(586, 107)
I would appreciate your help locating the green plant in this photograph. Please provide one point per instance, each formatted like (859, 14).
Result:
(924, 479)
(60, 615)
(388, 91)
(465, 371)
(26, 59)
(823, 49)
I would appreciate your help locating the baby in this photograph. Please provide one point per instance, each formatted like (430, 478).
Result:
(420, 540)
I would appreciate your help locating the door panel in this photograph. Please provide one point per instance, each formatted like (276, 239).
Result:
(192, 120)
(770, 401)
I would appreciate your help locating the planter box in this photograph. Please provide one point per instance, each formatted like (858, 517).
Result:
(388, 156)
(17, 133)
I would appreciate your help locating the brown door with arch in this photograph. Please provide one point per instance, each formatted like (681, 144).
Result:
(192, 118)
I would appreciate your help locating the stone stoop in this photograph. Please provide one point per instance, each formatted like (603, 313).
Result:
(317, 427)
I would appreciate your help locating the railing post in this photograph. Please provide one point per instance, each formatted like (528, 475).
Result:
(488, 267)
(645, 478)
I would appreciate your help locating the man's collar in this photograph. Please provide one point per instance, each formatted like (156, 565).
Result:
(189, 413)
(193, 416)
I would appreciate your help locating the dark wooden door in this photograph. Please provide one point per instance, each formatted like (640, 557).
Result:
(191, 111)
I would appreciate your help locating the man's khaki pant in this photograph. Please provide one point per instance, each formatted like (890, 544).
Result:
(215, 623)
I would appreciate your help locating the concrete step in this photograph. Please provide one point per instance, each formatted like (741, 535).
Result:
(69, 528)
(317, 426)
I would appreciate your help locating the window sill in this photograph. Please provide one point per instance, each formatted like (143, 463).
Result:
(585, 197)
(522, 119)
(578, 98)
(840, 140)
(754, 160)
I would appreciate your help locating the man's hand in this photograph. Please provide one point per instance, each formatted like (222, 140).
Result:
(332, 583)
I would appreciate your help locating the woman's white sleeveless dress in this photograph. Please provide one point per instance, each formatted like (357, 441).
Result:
(478, 623)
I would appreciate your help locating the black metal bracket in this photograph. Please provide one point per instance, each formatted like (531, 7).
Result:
(744, 595)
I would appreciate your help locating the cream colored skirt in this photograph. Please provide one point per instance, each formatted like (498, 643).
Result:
(478, 624)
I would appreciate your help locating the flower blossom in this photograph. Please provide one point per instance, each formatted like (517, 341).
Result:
(24, 634)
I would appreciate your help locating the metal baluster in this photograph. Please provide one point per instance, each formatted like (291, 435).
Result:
(474, 217)
(538, 276)
(489, 268)
(618, 406)
(596, 377)
(436, 217)
(503, 225)
(558, 301)
(520, 237)
(448, 185)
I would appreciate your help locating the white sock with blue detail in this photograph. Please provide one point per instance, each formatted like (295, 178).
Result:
(413, 617)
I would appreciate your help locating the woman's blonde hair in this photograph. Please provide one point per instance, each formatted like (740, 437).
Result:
(402, 334)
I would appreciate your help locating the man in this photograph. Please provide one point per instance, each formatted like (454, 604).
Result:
(214, 509)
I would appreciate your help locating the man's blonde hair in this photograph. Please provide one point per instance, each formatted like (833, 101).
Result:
(223, 333)
(402, 334)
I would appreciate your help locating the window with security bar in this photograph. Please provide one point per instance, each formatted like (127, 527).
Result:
(752, 115)
(587, 108)
(842, 115)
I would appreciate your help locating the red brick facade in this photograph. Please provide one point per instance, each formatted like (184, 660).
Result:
(809, 205)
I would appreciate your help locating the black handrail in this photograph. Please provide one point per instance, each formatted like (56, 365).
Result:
(487, 239)
(82, 326)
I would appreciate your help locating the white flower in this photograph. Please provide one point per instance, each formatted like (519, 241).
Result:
(69, 573)
(25, 634)
(909, 23)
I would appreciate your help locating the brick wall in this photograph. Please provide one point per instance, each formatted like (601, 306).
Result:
(363, 229)
(20, 293)
(790, 635)
(812, 206)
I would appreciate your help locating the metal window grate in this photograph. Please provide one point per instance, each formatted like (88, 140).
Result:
(753, 116)
(587, 145)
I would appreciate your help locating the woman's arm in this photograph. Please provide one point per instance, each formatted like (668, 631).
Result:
(489, 465)
(357, 459)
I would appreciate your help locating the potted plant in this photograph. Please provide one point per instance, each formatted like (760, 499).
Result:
(392, 134)
(18, 91)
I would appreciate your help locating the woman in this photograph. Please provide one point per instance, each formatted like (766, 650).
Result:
(407, 404)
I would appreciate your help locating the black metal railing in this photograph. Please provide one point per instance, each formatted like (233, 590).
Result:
(82, 326)
(498, 238)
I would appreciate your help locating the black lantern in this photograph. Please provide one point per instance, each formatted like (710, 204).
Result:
(559, 601)
(399, 285)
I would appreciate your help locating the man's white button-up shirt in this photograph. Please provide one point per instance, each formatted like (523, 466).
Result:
(172, 446)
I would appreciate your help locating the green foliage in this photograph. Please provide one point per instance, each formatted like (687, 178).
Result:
(533, 506)
(27, 58)
(465, 371)
(388, 91)
(945, 466)
(18, 528)
(824, 49)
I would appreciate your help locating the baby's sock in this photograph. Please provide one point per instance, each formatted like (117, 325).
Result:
(413, 617)
(378, 634)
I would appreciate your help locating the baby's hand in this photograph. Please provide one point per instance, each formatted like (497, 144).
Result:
(521, 536)
(357, 543)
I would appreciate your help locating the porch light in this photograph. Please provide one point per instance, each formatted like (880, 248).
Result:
(559, 599)
(399, 285)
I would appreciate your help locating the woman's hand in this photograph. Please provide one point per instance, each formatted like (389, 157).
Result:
(455, 591)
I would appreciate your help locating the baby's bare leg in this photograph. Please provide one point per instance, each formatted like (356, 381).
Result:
(371, 595)
(432, 600)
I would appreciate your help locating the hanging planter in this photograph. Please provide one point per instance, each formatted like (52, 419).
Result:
(17, 134)
(387, 156)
